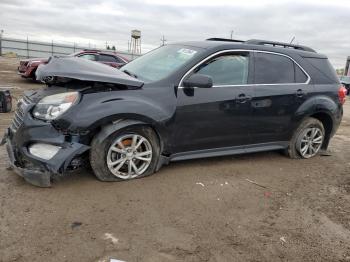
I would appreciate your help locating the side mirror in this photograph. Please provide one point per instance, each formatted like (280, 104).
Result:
(198, 80)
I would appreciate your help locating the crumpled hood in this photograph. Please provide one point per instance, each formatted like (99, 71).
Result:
(84, 70)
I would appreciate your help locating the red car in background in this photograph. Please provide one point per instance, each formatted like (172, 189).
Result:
(27, 67)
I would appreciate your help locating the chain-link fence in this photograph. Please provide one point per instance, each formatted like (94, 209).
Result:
(30, 48)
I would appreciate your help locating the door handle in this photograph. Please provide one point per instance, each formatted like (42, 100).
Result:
(300, 93)
(242, 98)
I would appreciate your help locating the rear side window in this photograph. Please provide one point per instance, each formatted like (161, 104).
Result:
(277, 69)
(300, 76)
(107, 58)
(226, 69)
(323, 66)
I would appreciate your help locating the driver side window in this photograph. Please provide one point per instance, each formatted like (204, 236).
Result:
(229, 69)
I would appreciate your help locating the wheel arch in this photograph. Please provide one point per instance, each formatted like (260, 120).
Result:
(109, 128)
(322, 108)
(327, 122)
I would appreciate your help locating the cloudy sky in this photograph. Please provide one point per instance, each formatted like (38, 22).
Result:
(321, 24)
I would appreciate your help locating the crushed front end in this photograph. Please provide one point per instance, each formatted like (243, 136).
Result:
(37, 151)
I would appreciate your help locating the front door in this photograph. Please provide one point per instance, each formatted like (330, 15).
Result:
(209, 118)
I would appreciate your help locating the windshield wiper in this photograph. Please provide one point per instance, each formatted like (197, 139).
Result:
(129, 73)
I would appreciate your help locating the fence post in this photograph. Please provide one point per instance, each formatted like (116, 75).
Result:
(74, 48)
(0, 43)
(52, 47)
(27, 48)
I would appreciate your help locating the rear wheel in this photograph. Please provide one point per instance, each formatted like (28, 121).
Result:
(129, 153)
(307, 140)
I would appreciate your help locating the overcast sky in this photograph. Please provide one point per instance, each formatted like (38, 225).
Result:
(321, 24)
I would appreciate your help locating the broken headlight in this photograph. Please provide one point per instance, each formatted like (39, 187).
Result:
(51, 107)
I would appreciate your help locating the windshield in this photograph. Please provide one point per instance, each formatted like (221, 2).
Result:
(160, 62)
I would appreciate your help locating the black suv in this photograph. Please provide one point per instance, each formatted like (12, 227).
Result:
(181, 101)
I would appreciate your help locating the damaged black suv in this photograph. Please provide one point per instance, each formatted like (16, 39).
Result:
(181, 101)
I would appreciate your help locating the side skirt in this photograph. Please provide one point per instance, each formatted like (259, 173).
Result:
(225, 151)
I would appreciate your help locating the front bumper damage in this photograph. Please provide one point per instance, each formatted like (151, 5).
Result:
(35, 170)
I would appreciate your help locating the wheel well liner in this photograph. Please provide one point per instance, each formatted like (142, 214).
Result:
(327, 122)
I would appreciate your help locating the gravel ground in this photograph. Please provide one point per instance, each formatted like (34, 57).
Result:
(198, 210)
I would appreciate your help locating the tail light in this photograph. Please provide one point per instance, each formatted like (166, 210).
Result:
(342, 92)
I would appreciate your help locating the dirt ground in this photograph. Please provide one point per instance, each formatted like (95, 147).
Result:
(198, 210)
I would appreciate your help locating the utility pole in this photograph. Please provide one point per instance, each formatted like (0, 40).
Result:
(231, 34)
(1, 32)
(163, 40)
(27, 47)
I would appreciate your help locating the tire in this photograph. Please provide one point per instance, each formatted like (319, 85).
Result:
(298, 142)
(102, 154)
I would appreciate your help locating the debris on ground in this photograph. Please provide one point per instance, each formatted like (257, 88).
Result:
(75, 224)
(255, 183)
(267, 194)
(283, 240)
(200, 183)
(109, 236)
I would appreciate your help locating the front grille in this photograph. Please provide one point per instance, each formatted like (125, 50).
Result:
(19, 113)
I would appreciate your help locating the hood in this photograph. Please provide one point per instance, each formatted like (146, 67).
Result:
(84, 70)
(44, 60)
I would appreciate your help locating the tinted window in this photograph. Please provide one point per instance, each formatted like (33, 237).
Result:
(88, 57)
(273, 69)
(107, 58)
(300, 76)
(323, 66)
(226, 70)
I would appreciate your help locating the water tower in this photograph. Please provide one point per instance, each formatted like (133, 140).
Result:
(135, 45)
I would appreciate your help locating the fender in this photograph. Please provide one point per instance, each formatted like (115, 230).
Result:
(318, 104)
(327, 105)
(107, 130)
(323, 108)
(153, 106)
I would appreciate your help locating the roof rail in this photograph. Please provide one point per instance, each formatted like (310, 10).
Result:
(225, 40)
(279, 44)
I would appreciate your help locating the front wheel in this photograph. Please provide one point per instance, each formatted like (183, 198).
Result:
(307, 139)
(132, 152)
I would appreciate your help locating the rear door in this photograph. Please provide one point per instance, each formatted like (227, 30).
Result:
(281, 86)
(209, 118)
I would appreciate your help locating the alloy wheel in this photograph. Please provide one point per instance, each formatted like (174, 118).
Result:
(129, 156)
(310, 142)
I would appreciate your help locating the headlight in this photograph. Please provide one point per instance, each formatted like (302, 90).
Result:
(51, 107)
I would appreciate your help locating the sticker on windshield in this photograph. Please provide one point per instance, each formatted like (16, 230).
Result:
(186, 51)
